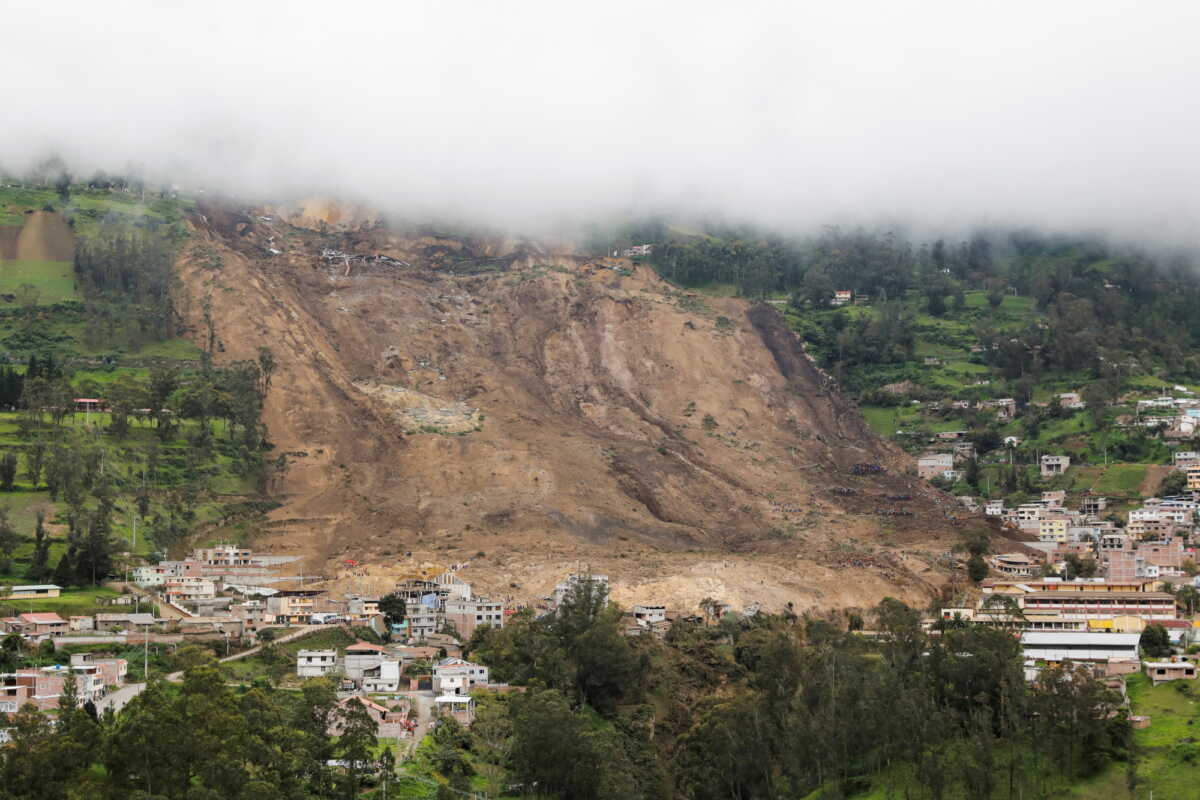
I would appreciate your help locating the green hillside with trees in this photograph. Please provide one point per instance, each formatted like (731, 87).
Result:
(174, 447)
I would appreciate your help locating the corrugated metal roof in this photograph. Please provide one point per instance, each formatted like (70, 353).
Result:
(1075, 637)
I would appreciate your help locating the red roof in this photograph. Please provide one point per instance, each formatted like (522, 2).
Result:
(1174, 623)
(42, 617)
(365, 646)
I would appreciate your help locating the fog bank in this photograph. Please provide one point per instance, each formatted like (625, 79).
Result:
(941, 114)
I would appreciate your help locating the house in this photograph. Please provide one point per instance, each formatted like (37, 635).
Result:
(1093, 505)
(360, 657)
(363, 606)
(1059, 646)
(42, 624)
(647, 615)
(1071, 400)
(1163, 671)
(292, 606)
(1185, 458)
(112, 671)
(225, 555)
(1017, 565)
(1193, 478)
(843, 297)
(993, 508)
(1006, 408)
(385, 677)
(189, 588)
(421, 621)
(315, 663)
(153, 575)
(951, 436)
(34, 592)
(1054, 465)
(964, 451)
(455, 676)
(467, 615)
(456, 588)
(81, 623)
(932, 361)
(1053, 528)
(393, 722)
(1054, 499)
(932, 465)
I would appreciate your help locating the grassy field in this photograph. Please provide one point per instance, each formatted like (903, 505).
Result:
(53, 281)
(72, 602)
(279, 661)
(1168, 756)
(1120, 479)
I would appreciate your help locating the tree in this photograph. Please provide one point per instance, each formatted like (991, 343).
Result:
(977, 568)
(8, 470)
(971, 473)
(64, 572)
(35, 459)
(1155, 641)
(1174, 483)
(356, 742)
(39, 564)
(394, 609)
(9, 540)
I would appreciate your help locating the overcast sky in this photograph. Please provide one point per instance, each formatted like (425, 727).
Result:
(1064, 114)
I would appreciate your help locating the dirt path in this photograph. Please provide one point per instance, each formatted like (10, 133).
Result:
(45, 237)
(1154, 476)
(175, 677)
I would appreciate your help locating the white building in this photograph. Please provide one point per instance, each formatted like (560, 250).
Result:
(315, 663)
(361, 657)
(456, 676)
(383, 678)
(150, 575)
(648, 615)
(1076, 646)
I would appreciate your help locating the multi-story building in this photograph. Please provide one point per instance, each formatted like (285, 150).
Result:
(361, 657)
(1193, 478)
(1053, 528)
(932, 465)
(1152, 606)
(457, 676)
(292, 606)
(467, 615)
(315, 663)
(1052, 466)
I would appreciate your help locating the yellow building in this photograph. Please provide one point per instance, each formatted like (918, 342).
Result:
(1193, 477)
(1053, 529)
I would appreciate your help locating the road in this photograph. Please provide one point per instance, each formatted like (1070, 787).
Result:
(176, 677)
(117, 700)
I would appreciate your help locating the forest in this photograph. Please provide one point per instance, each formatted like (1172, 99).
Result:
(1099, 302)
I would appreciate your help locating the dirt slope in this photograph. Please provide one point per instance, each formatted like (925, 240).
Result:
(548, 414)
(45, 236)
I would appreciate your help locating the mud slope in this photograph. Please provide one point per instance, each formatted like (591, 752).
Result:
(550, 413)
(45, 236)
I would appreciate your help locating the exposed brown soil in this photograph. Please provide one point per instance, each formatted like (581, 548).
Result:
(45, 236)
(685, 446)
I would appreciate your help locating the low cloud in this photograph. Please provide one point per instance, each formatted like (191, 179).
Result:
(939, 114)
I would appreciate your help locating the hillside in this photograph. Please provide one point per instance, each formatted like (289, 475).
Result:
(141, 479)
(446, 398)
